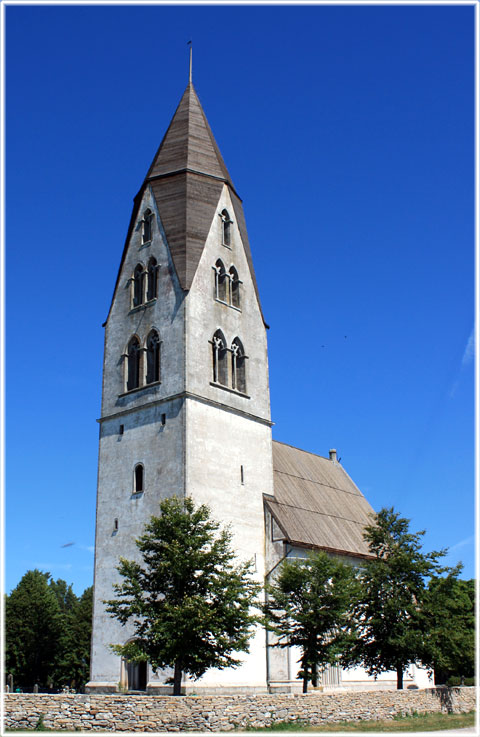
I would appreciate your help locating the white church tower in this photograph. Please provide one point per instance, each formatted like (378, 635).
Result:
(185, 405)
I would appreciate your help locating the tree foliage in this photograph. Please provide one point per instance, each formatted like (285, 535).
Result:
(47, 633)
(449, 613)
(189, 605)
(310, 605)
(393, 591)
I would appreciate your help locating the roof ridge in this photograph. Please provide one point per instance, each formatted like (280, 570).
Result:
(310, 453)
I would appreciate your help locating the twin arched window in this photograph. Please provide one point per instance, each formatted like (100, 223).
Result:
(227, 286)
(144, 283)
(143, 363)
(229, 372)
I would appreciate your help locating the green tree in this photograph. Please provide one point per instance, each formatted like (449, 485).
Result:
(47, 633)
(189, 605)
(73, 664)
(310, 605)
(392, 594)
(449, 612)
(33, 631)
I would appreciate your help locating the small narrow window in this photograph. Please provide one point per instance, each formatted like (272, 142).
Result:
(147, 226)
(121, 430)
(242, 478)
(234, 287)
(138, 481)
(152, 279)
(133, 364)
(153, 357)
(164, 419)
(115, 525)
(220, 366)
(138, 282)
(221, 279)
(238, 366)
(226, 232)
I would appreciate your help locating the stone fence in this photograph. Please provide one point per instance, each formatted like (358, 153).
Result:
(143, 713)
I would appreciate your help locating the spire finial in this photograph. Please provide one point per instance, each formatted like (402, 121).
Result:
(190, 73)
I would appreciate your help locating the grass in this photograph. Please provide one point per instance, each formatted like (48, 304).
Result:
(413, 723)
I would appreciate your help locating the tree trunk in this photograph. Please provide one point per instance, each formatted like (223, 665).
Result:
(177, 679)
(305, 681)
(399, 676)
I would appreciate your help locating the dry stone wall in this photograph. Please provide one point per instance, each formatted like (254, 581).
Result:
(143, 713)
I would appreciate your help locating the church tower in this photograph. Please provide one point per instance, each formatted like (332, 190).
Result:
(185, 402)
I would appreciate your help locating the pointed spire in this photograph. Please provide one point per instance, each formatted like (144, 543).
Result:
(190, 73)
(187, 177)
(188, 144)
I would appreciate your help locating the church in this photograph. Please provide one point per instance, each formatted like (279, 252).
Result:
(186, 412)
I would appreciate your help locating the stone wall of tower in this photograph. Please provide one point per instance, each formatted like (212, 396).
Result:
(228, 435)
(152, 434)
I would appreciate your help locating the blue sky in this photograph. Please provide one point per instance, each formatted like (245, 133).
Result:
(348, 132)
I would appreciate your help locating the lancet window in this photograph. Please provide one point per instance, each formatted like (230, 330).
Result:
(226, 228)
(153, 357)
(234, 287)
(133, 364)
(221, 282)
(138, 285)
(219, 355)
(152, 271)
(238, 366)
(147, 226)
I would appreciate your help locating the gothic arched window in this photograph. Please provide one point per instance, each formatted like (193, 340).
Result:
(133, 364)
(220, 365)
(152, 279)
(226, 232)
(138, 480)
(221, 279)
(147, 226)
(138, 280)
(234, 287)
(238, 366)
(153, 357)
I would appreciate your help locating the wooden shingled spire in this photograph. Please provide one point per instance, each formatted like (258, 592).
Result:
(187, 176)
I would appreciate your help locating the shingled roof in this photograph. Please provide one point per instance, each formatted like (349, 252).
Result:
(187, 176)
(316, 504)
